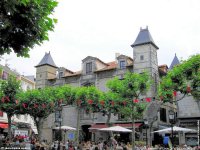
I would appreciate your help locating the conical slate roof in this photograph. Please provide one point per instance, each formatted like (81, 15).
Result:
(47, 60)
(144, 37)
(174, 62)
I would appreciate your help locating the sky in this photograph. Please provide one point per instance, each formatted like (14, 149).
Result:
(101, 28)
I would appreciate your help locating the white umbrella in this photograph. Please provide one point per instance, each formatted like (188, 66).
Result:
(65, 128)
(175, 129)
(115, 129)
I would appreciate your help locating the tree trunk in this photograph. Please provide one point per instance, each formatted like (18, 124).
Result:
(108, 119)
(9, 126)
(108, 123)
(39, 123)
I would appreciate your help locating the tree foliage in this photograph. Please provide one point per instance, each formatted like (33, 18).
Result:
(183, 78)
(9, 89)
(131, 87)
(24, 23)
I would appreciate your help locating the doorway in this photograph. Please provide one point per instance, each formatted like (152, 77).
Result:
(85, 132)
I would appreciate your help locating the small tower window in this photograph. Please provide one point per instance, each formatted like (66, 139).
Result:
(60, 75)
(122, 64)
(141, 57)
(88, 67)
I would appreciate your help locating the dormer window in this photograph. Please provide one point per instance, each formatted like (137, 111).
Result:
(60, 75)
(122, 64)
(89, 68)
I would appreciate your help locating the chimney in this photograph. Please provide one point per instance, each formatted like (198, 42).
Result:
(116, 55)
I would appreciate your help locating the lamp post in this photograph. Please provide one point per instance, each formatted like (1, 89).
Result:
(172, 121)
(146, 125)
(58, 121)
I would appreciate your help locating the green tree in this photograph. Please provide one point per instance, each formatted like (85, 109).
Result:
(9, 89)
(87, 99)
(39, 104)
(183, 78)
(24, 23)
(130, 90)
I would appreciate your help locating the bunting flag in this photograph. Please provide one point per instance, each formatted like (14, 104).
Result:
(124, 103)
(24, 105)
(90, 101)
(148, 99)
(161, 97)
(35, 105)
(175, 93)
(43, 106)
(16, 101)
(188, 89)
(136, 101)
(102, 103)
(3, 100)
(112, 103)
(7, 99)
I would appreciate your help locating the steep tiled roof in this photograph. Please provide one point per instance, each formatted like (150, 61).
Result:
(47, 60)
(74, 74)
(111, 65)
(144, 37)
(174, 62)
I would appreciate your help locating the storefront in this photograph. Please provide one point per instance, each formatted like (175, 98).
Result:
(191, 138)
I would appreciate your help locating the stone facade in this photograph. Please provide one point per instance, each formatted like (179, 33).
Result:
(96, 72)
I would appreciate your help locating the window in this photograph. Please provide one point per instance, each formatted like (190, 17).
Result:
(88, 67)
(122, 64)
(141, 57)
(121, 117)
(60, 74)
(163, 115)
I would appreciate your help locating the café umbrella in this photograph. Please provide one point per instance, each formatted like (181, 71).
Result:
(67, 128)
(115, 129)
(175, 129)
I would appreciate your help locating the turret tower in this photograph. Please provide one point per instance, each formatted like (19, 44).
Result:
(45, 70)
(145, 57)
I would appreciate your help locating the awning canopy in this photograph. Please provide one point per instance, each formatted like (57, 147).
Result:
(125, 125)
(116, 129)
(4, 125)
(175, 129)
(35, 130)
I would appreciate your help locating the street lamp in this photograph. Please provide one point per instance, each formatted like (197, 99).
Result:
(172, 121)
(58, 121)
(146, 125)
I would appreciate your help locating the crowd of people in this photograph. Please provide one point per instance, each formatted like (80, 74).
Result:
(114, 145)
(33, 143)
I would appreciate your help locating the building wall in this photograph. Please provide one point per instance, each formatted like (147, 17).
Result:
(149, 63)
(43, 73)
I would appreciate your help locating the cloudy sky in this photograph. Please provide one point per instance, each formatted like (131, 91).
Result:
(101, 28)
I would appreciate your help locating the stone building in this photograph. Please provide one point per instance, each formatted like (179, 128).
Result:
(96, 72)
(188, 114)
